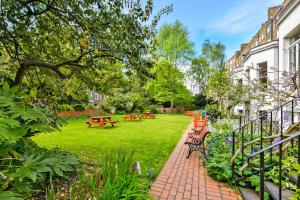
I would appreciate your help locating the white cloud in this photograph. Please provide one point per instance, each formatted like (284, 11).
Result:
(244, 16)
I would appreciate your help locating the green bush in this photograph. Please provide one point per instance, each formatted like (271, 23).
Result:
(66, 107)
(125, 102)
(218, 158)
(25, 167)
(213, 113)
(79, 107)
(153, 109)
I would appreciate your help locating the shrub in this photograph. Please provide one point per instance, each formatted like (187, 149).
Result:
(24, 167)
(213, 112)
(219, 155)
(114, 179)
(79, 107)
(153, 109)
(66, 107)
(125, 102)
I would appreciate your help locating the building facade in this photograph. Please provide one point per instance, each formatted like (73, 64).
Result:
(270, 62)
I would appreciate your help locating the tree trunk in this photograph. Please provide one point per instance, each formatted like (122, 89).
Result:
(20, 75)
(172, 105)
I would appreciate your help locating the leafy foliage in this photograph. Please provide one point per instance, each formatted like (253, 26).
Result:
(23, 165)
(219, 155)
(115, 180)
(64, 38)
(174, 51)
(168, 86)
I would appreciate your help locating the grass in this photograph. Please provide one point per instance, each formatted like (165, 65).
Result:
(152, 140)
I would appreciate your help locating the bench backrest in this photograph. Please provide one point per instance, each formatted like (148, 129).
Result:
(205, 131)
(200, 123)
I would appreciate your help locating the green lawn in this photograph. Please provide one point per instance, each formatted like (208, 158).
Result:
(152, 139)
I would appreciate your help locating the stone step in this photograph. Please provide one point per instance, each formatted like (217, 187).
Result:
(273, 190)
(249, 194)
(294, 178)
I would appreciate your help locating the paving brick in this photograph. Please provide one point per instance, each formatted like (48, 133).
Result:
(187, 194)
(183, 178)
(179, 196)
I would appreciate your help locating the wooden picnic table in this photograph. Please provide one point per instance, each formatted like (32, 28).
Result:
(99, 118)
(132, 116)
(101, 121)
(148, 115)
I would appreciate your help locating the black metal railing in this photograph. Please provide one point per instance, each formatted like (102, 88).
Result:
(256, 134)
(262, 167)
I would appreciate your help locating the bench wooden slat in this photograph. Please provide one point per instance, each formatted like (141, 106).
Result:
(195, 141)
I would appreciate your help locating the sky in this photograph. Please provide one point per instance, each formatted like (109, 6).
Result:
(232, 22)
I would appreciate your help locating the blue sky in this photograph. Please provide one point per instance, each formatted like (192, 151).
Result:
(231, 22)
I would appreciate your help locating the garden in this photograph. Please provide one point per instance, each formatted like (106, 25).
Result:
(92, 96)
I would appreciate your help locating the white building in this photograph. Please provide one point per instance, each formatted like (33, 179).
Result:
(271, 59)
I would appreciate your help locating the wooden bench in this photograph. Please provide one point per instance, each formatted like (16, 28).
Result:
(101, 123)
(132, 116)
(148, 115)
(195, 141)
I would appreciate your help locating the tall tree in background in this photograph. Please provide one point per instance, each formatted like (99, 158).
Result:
(212, 58)
(175, 50)
(199, 71)
(160, 89)
(214, 53)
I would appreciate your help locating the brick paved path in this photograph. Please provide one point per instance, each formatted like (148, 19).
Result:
(183, 178)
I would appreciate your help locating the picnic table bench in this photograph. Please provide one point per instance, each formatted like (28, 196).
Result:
(148, 115)
(101, 121)
(132, 116)
(195, 140)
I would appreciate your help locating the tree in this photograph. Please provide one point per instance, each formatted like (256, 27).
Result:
(221, 89)
(159, 88)
(175, 50)
(212, 57)
(75, 37)
(199, 72)
(173, 44)
(214, 53)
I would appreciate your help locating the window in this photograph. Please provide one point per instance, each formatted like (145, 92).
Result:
(240, 82)
(269, 28)
(298, 55)
(292, 59)
(256, 43)
(293, 53)
(263, 75)
(262, 37)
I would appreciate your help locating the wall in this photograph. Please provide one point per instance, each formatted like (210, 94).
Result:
(265, 53)
(287, 26)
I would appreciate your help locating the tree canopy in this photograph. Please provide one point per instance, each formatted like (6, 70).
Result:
(173, 44)
(75, 37)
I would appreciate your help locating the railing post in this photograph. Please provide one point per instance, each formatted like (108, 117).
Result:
(262, 175)
(292, 142)
(261, 132)
(240, 123)
(251, 135)
(233, 148)
(233, 143)
(280, 170)
(293, 111)
(298, 179)
(281, 122)
(243, 145)
(271, 133)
